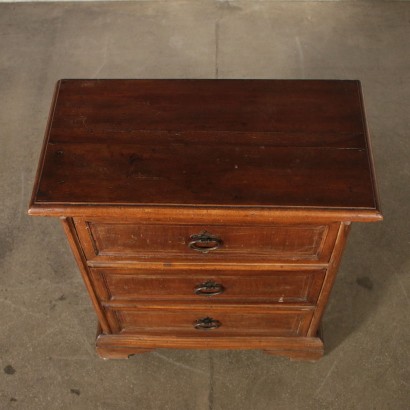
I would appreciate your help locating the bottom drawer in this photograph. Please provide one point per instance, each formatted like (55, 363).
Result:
(210, 321)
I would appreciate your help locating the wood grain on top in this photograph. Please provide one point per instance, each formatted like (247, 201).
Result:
(256, 143)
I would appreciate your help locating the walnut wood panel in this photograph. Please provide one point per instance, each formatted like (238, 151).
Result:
(330, 278)
(235, 321)
(71, 234)
(87, 108)
(165, 143)
(109, 241)
(197, 174)
(267, 286)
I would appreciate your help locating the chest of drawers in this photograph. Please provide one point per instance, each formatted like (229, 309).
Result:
(207, 214)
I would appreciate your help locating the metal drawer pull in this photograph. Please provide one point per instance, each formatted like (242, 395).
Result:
(204, 242)
(207, 323)
(209, 288)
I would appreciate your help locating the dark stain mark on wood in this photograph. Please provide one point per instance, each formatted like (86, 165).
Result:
(133, 160)
(137, 170)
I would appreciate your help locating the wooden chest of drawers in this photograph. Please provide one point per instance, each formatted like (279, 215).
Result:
(207, 214)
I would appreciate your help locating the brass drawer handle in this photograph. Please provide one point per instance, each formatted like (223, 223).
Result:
(207, 323)
(209, 288)
(204, 242)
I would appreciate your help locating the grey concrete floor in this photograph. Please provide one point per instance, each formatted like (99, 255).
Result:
(47, 358)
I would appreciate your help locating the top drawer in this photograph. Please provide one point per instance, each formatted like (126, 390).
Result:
(109, 241)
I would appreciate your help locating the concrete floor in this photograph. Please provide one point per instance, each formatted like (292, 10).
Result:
(47, 358)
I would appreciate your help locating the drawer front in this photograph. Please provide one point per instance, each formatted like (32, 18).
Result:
(209, 321)
(106, 241)
(209, 286)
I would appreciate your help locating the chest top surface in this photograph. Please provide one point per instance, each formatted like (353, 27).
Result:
(266, 144)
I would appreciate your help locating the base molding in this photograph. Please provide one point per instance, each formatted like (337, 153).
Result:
(117, 346)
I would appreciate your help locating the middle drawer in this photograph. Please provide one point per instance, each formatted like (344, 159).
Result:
(201, 285)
